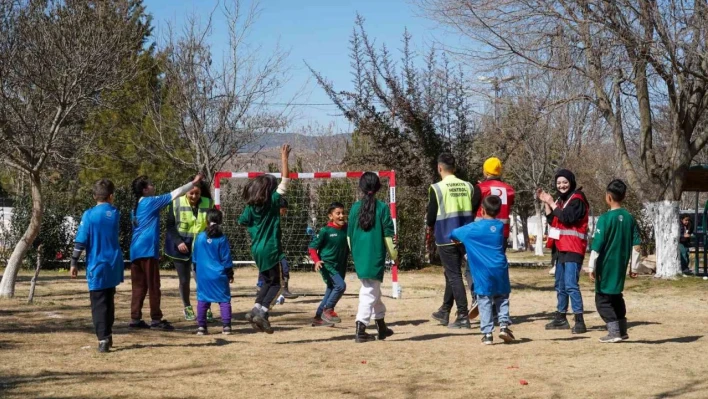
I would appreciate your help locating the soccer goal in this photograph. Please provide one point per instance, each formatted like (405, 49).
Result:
(308, 197)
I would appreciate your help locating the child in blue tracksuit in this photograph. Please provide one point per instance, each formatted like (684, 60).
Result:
(98, 235)
(484, 243)
(214, 271)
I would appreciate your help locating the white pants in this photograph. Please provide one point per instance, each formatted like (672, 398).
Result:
(370, 302)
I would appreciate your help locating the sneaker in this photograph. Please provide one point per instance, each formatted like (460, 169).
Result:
(103, 346)
(161, 325)
(506, 335)
(330, 317)
(138, 324)
(210, 316)
(487, 339)
(189, 314)
(318, 322)
(610, 339)
(442, 316)
(462, 321)
(226, 330)
(559, 322)
(262, 322)
(687, 272)
(250, 315)
(202, 331)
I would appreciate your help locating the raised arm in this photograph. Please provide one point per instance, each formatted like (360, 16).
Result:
(284, 170)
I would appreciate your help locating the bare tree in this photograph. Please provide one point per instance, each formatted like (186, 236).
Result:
(211, 112)
(637, 55)
(57, 58)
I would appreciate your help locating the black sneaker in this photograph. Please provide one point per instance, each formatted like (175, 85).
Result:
(506, 335)
(487, 339)
(442, 316)
(462, 321)
(138, 324)
(202, 331)
(163, 325)
(262, 323)
(103, 346)
(559, 322)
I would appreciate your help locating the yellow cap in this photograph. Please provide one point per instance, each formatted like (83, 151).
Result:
(492, 167)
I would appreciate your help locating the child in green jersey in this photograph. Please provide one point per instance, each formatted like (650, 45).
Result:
(370, 234)
(330, 252)
(615, 240)
(262, 220)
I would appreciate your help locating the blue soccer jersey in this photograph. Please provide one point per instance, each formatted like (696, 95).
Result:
(98, 232)
(484, 243)
(212, 260)
(146, 227)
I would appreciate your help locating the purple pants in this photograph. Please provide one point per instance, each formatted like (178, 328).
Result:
(202, 308)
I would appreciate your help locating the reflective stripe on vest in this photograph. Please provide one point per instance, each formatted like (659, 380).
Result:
(454, 199)
(573, 238)
(188, 226)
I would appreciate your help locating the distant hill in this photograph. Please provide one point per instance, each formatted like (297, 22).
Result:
(301, 141)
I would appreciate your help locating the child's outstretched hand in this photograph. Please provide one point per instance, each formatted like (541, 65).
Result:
(318, 266)
(285, 151)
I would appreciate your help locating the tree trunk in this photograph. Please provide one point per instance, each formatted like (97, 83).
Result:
(525, 230)
(665, 215)
(33, 283)
(538, 247)
(7, 285)
(514, 232)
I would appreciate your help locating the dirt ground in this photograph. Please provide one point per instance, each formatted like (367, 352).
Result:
(48, 349)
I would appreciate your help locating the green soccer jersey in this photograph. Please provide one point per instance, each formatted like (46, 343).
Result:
(333, 250)
(263, 225)
(615, 234)
(368, 247)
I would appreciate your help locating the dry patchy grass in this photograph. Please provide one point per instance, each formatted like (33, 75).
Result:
(48, 349)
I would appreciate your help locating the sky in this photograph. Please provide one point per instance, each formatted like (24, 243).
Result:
(313, 31)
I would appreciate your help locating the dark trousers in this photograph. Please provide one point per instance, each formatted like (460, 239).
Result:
(285, 270)
(451, 257)
(271, 286)
(184, 273)
(103, 311)
(145, 278)
(611, 307)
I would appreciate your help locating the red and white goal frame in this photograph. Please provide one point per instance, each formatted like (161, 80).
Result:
(383, 174)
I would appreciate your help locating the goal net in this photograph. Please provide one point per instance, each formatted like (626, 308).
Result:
(308, 197)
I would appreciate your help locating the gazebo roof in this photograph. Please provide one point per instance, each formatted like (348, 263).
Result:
(696, 178)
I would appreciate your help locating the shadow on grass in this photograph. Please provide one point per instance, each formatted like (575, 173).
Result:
(691, 387)
(348, 337)
(401, 323)
(430, 337)
(567, 339)
(542, 288)
(631, 324)
(215, 342)
(676, 340)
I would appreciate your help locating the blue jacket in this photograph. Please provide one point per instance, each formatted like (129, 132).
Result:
(212, 266)
(98, 233)
(484, 242)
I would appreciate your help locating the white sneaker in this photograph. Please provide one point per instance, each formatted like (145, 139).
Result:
(552, 272)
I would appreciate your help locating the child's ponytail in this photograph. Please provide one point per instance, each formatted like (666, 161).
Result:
(369, 184)
(214, 219)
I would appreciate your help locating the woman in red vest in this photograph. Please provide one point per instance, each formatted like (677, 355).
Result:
(568, 239)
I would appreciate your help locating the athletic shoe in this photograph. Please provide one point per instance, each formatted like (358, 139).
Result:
(226, 330)
(103, 346)
(506, 335)
(318, 322)
(329, 316)
(610, 339)
(161, 325)
(189, 314)
(487, 339)
(138, 324)
(559, 322)
(249, 318)
(462, 321)
(613, 333)
(202, 331)
(442, 316)
(210, 316)
(262, 322)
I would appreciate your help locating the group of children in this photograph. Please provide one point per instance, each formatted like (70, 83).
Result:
(369, 237)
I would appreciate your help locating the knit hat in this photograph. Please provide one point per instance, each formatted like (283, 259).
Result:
(492, 167)
(571, 179)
